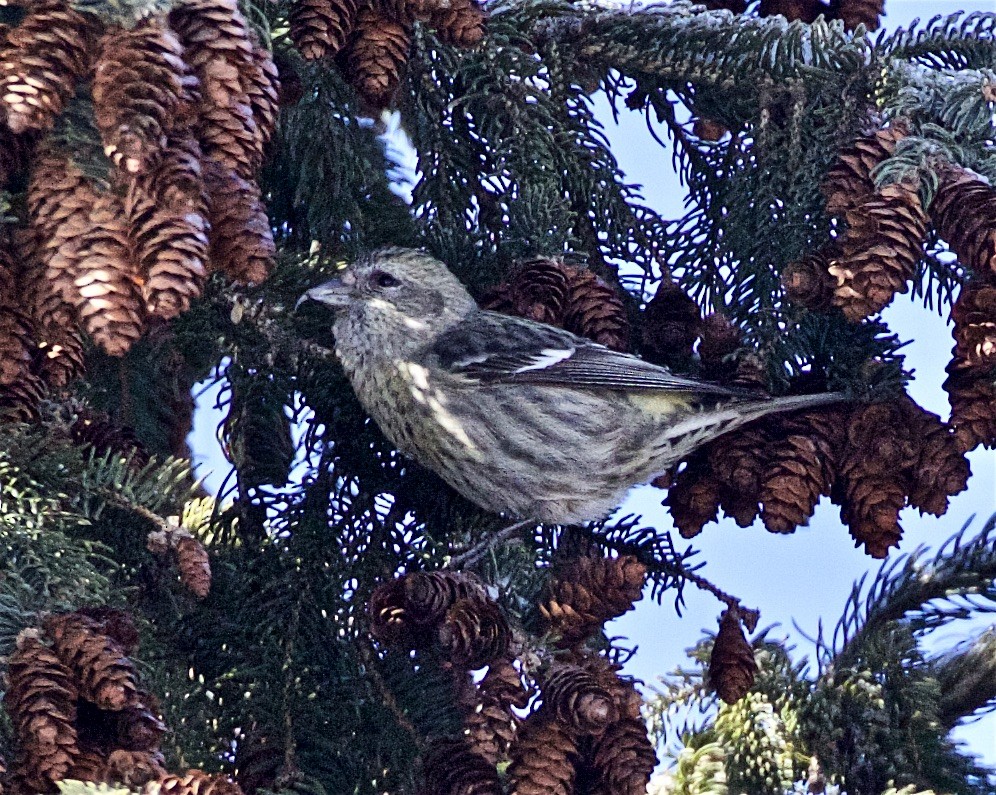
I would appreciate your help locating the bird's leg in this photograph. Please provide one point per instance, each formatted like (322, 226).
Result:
(474, 554)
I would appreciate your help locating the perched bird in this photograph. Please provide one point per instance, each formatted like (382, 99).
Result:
(520, 417)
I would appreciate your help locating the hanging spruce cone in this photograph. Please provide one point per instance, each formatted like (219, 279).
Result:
(671, 324)
(240, 240)
(858, 12)
(594, 310)
(964, 214)
(719, 340)
(43, 60)
(586, 592)
(974, 319)
(693, 497)
(194, 565)
(139, 729)
(544, 758)
(171, 249)
(219, 49)
(537, 290)
(623, 759)
(879, 251)
(16, 327)
(490, 724)
(732, 667)
(451, 767)
(41, 701)
(97, 430)
(800, 469)
(107, 298)
(577, 700)
(941, 470)
(850, 179)
(460, 22)
(376, 56)
(972, 395)
(90, 764)
(407, 610)
(59, 343)
(738, 462)
(196, 782)
(474, 633)
(808, 282)
(134, 769)
(104, 675)
(262, 84)
(875, 467)
(138, 88)
(319, 28)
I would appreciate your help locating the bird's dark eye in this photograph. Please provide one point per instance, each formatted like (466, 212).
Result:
(382, 279)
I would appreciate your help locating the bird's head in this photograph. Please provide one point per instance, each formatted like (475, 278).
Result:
(394, 294)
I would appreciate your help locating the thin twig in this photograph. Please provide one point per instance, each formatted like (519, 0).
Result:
(477, 551)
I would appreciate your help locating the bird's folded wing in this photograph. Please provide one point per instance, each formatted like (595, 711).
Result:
(488, 347)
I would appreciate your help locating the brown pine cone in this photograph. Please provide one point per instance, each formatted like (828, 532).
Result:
(623, 759)
(739, 461)
(595, 310)
(942, 469)
(671, 324)
(875, 475)
(964, 214)
(974, 319)
(972, 395)
(137, 91)
(59, 342)
(577, 700)
(376, 55)
(800, 468)
(17, 329)
(134, 769)
(720, 339)
(219, 49)
(537, 290)
(474, 633)
(176, 181)
(104, 675)
(732, 667)
(808, 282)
(41, 701)
(544, 757)
(171, 249)
(97, 430)
(850, 180)
(44, 58)
(240, 239)
(107, 296)
(408, 609)
(139, 729)
(319, 28)
(879, 251)
(451, 767)
(194, 565)
(262, 85)
(196, 782)
(857, 12)
(586, 592)
(90, 764)
(693, 497)
(490, 724)
(461, 22)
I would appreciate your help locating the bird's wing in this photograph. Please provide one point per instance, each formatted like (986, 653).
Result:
(488, 347)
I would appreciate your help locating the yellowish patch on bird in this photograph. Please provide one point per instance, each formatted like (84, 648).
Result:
(417, 378)
(659, 405)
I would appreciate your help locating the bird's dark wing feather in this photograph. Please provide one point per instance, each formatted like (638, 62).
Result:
(488, 347)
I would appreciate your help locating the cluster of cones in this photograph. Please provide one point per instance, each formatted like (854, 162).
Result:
(583, 734)
(79, 712)
(138, 142)
(371, 41)
(556, 292)
(875, 257)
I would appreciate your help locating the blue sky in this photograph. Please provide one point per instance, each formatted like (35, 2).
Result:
(808, 575)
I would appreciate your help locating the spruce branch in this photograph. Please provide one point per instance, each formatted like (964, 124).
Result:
(967, 679)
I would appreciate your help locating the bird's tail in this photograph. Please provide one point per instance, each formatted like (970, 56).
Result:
(703, 426)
